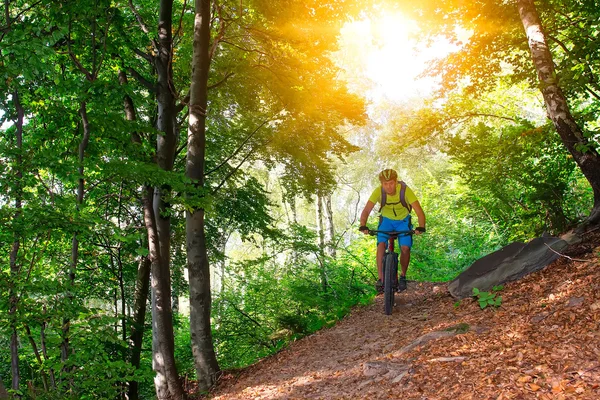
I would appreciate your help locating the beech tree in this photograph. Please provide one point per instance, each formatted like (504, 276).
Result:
(496, 46)
(96, 184)
(584, 151)
(197, 256)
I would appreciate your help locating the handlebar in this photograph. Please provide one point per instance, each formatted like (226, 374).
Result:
(374, 232)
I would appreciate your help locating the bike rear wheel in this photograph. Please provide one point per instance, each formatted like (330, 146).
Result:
(389, 270)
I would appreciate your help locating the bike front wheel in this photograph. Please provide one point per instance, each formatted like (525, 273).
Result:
(389, 270)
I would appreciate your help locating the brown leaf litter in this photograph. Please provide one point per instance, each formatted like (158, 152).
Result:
(542, 343)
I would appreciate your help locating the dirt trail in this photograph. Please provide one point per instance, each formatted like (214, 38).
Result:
(544, 342)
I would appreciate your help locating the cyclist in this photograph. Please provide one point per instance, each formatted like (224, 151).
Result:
(396, 200)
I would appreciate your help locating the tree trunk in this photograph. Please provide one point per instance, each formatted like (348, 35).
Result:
(44, 347)
(143, 274)
(128, 106)
(122, 297)
(75, 241)
(13, 296)
(582, 150)
(167, 380)
(223, 239)
(293, 256)
(294, 210)
(14, 353)
(330, 228)
(321, 233)
(175, 277)
(14, 265)
(38, 357)
(139, 317)
(320, 225)
(120, 276)
(197, 259)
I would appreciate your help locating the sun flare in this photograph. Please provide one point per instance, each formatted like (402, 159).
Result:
(383, 57)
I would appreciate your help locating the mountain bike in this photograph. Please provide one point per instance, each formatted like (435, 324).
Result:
(390, 268)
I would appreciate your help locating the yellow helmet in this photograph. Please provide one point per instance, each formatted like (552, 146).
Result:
(388, 175)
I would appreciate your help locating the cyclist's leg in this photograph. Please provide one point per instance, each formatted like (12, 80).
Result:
(380, 252)
(405, 243)
(404, 259)
(385, 225)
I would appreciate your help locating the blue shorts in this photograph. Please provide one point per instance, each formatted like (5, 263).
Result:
(397, 226)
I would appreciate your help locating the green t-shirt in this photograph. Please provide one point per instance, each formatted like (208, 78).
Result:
(393, 209)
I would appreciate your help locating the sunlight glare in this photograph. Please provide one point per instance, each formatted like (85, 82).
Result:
(383, 58)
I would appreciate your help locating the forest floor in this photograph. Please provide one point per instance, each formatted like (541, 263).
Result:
(543, 342)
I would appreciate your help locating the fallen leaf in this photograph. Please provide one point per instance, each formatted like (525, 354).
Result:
(557, 388)
(524, 378)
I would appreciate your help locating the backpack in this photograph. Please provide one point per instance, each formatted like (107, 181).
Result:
(402, 197)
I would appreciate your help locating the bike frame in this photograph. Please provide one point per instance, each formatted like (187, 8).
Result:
(392, 236)
(390, 280)
(390, 244)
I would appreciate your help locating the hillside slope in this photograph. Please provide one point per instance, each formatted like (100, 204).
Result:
(543, 342)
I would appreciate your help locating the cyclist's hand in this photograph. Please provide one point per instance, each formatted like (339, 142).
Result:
(419, 230)
(364, 229)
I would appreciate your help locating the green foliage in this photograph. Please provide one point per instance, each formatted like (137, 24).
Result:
(506, 176)
(488, 114)
(275, 107)
(532, 172)
(458, 231)
(271, 301)
(488, 299)
(97, 371)
(263, 108)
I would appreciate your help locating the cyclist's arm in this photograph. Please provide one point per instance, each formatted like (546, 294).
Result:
(420, 214)
(364, 216)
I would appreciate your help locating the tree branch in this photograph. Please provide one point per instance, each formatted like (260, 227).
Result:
(245, 49)
(562, 255)
(140, 53)
(103, 55)
(88, 75)
(220, 35)
(474, 115)
(238, 149)
(139, 19)
(358, 261)
(222, 81)
(146, 83)
(184, 102)
(233, 171)
(245, 315)
(589, 74)
(80, 67)
(592, 92)
(145, 56)
(9, 20)
(179, 28)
